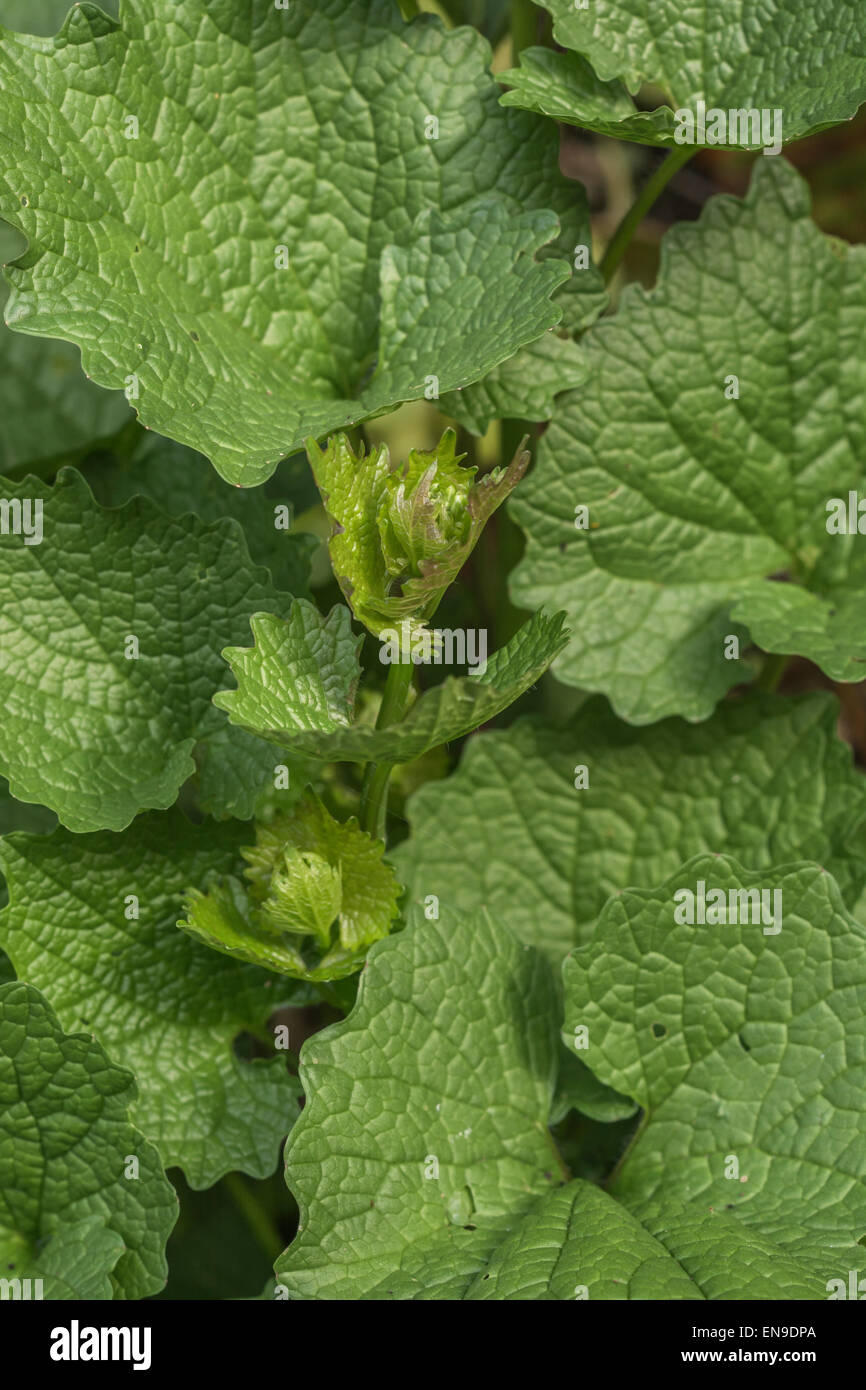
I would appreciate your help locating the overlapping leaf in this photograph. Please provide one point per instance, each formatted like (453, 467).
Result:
(180, 481)
(425, 1171)
(297, 685)
(48, 408)
(110, 634)
(410, 1162)
(72, 1210)
(806, 61)
(707, 448)
(245, 298)
(92, 922)
(744, 1044)
(764, 779)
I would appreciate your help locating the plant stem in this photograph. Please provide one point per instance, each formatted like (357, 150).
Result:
(374, 791)
(524, 26)
(266, 1234)
(771, 672)
(410, 8)
(640, 207)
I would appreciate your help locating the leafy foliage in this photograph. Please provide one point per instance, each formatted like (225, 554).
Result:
(251, 299)
(108, 694)
(764, 780)
(296, 686)
(756, 1068)
(806, 62)
(571, 1010)
(105, 951)
(67, 1212)
(705, 457)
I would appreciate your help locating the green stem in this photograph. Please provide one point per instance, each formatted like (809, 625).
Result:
(374, 791)
(640, 207)
(410, 8)
(524, 26)
(771, 672)
(266, 1234)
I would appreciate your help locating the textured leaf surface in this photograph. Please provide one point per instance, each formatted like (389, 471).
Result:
(807, 60)
(523, 388)
(306, 874)
(468, 1085)
(737, 1044)
(580, 1243)
(160, 1004)
(75, 1262)
(296, 684)
(405, 257)
(423, 1171)
(48, 408)
(729, 1259)
(93, 735)
(695, 500)
(181, 481)
(65, 1139)
(402, 531)
(766, 780)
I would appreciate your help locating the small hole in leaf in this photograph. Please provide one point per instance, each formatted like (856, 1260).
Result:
(194, 336)
(25, 202)
(862, 1240)
(743, 1044)
(659, 1030)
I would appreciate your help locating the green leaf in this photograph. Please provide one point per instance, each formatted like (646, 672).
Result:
(426, 1171)
(251, 298)
(306, 873)
(743, 1043)
(766, 780)
(729, 1259)
(523, 388)
(159, 1003)
(807, 62)
(65, 1145)
(48, 408)
(45, 18)
(296, 687)
(401, 533)
(564, 87)
(463, 1098)
(580, 1243)
(91, 730)
(74, 1262)
(699, 501)
(180, 481)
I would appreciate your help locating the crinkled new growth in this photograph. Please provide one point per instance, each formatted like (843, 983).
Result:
(402, 532)
(317, 895)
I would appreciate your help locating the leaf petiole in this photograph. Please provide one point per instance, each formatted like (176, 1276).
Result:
(374, 791)
(651, 190)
